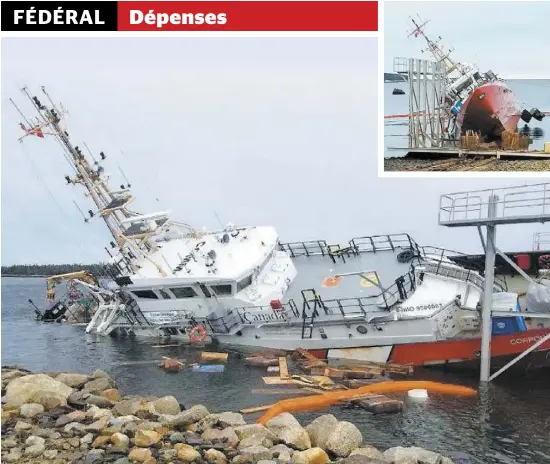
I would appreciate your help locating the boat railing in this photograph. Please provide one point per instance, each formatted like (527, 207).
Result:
(356, 245)
(443, 256)
(528, 203)
(458, 273)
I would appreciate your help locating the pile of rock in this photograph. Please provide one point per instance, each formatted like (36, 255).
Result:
(74, 418)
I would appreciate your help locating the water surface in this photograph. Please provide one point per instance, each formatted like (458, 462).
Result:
(510, 425)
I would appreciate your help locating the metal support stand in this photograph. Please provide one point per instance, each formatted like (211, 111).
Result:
(484, 208)
(486, 321)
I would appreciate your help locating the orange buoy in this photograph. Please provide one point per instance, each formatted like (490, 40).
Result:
(314, 402)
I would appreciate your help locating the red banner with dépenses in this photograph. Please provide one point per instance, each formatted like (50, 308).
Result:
(248, 16)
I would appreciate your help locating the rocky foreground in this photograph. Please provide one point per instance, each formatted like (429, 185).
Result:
(75, 418)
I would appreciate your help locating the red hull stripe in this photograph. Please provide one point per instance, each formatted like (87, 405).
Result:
(419, 354)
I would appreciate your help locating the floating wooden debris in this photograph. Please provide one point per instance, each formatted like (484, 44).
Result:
(207, 356)
(170, 365)
(278, 381)
(377, 404)
(283, 368)
(265, 407)
(260, 361)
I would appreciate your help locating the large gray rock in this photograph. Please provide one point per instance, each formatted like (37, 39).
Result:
(231, 419)
(415, 454)
(288, 429)
(344, 438)
(187, 417)
(127, 407)
(31, 410)
(37, 388)
(256, 440)
(360, 459)
(226, 435)
(320, 429)
(369, 452)
(282, 452)
(257, 453)
(35, 446)
(166, 405)
(82, 398)
(246, 431)
(99, 385)
(73, 380)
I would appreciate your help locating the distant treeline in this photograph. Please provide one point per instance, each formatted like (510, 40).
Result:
(99, 270)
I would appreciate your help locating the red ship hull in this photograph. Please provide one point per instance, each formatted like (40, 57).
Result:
(490, 110)
(460, 353)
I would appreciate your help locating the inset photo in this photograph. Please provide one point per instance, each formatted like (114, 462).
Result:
(466, 94)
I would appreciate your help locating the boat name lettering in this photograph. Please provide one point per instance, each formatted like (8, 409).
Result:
(407, 309)
(263, 316)
(521, 341)
(167, 317)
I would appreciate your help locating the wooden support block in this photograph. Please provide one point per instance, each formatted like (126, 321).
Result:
(218, 357)
(283, 368)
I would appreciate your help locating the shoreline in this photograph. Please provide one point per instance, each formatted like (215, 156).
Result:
(397, 164)
(62, 418)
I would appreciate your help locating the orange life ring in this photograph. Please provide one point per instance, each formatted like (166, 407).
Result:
(197, 334)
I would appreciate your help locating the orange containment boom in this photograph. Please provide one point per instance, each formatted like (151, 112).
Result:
(313, 402)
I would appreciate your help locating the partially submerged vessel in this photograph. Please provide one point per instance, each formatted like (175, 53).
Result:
(376, 298)
(76, 305)
(476, 101)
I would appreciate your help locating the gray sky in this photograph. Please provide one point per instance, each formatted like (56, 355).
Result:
(508, 37)
(260, 131)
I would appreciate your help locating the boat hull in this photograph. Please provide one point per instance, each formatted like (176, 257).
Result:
(463, 353)
(490, 110)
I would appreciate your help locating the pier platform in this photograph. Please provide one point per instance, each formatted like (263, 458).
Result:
(446, 153)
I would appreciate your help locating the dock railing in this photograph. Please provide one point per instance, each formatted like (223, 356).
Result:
(529, 203)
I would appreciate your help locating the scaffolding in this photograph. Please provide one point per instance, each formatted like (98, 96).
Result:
(489, 208)
(427, 116)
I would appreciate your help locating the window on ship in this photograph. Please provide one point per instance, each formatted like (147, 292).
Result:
(183, 292)
(164, 295)
(243, 283)
(148, 294)
(222, 290)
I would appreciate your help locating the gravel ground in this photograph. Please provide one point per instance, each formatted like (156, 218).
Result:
(410, 164)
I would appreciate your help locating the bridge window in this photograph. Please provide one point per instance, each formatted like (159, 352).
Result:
(183, 292)
(222, 289)
(242, 284)
(164, 295)
(148, 294)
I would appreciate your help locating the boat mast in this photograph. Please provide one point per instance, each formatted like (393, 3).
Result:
(111, 205)
(437, 50)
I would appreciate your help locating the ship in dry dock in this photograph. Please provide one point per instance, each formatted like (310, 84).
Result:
(477, 102)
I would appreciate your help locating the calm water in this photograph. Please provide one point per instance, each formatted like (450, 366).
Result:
(510, 426)
(530, 93)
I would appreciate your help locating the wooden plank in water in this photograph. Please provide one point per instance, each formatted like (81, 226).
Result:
(280, 391)
(265, 407)
(278, 381)
(283, 368)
